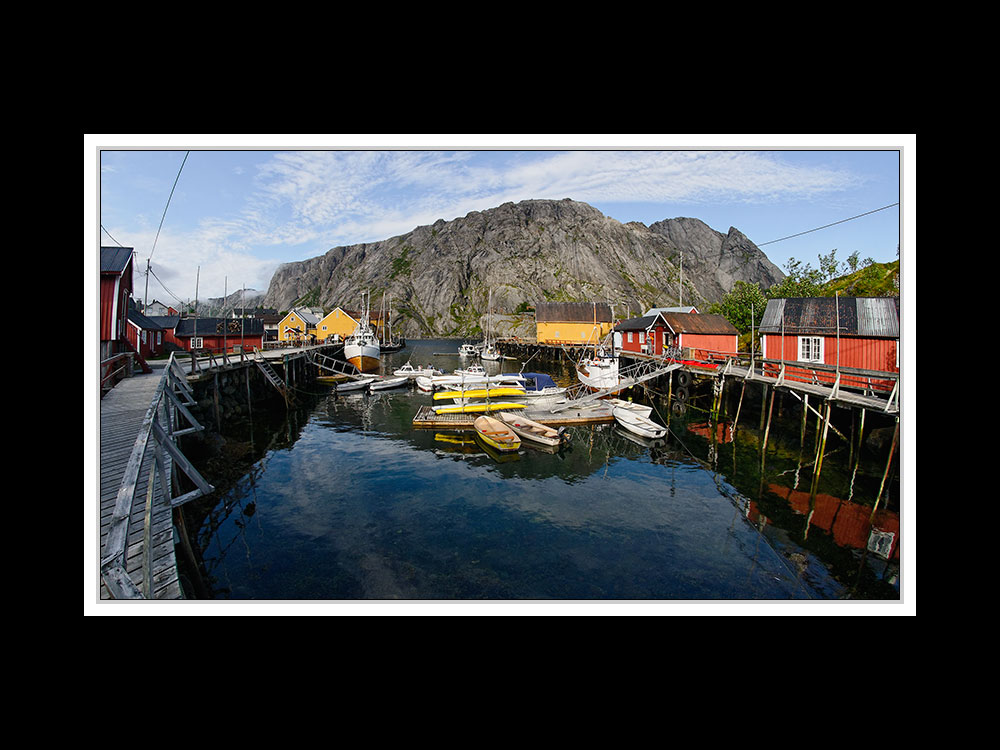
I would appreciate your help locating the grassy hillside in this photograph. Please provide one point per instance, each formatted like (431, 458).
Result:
(875, 280)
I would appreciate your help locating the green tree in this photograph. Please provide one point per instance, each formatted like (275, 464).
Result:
(802, 281)
(743, 305)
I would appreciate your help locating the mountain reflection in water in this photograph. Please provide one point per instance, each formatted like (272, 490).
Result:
(354, 503)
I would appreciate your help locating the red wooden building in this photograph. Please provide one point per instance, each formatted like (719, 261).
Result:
(116, 289)
(853, 333)
(704, 336)
(145, 335)
(219, 335)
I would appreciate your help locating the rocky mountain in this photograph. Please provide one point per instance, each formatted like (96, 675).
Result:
(439, 277)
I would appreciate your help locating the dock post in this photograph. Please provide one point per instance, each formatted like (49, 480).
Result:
(767, 431)
(856, 458)
(818, 464)
(892, 450)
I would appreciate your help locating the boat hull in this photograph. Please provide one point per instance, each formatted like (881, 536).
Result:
(598, 375)
(496, 434)
(533, 432)
(637, 424)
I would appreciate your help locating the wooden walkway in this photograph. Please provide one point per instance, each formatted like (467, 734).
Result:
(122, 412)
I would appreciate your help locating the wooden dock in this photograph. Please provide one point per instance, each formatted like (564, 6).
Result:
(123, 410)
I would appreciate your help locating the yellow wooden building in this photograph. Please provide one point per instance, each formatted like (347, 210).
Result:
(337, 322)
(572, 322)
(299, 325)
(341, 322)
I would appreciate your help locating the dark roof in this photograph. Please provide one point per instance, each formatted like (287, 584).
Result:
(581, 312)
(115, 259)
(876, 317)
(636, 324)
(216, 326)
(166, 322)
(143, 322)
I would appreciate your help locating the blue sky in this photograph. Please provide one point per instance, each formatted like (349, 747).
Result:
(244, 204)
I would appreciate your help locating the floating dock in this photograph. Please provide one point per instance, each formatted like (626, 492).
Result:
(587, 414)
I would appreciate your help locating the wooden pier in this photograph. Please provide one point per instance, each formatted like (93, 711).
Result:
(123, 411)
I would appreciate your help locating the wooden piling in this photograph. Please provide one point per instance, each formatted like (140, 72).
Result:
(888, 464)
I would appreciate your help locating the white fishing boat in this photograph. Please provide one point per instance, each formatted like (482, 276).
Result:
(468, 350)
(598, 371)
(640, 409)
(412, 372)
(362, 347)
(361, 384)
(534, 432)
(638, 424)
(381, 384)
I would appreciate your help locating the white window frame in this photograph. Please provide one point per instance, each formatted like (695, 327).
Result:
(811, 349)
(630, 337)
(197, 342)
(642, 337)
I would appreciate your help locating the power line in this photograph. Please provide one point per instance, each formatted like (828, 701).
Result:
(867, 213)
(186, 153)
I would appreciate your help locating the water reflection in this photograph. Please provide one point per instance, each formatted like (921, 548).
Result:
(349, 501)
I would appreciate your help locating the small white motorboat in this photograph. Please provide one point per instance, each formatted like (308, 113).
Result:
(472, 371)
(381, 384)
(468, 350)
(640, 409)
(638, 424)
(410, 371)
(361, 384)
(425, 384)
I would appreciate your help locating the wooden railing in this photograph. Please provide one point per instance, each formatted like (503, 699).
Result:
(159, 432)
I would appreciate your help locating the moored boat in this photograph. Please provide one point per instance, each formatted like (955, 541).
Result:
(361, 384)
(599, 371)
(468, 350)
(362, 347)
(415, 372)
(496, 434)
(640, 409)
(381, 384)
(638, 424)
(532, 431)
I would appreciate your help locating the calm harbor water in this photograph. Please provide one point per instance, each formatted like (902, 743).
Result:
(342, 499)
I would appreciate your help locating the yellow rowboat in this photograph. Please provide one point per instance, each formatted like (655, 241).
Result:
(477, 408)
(496, 434)
(480, 393)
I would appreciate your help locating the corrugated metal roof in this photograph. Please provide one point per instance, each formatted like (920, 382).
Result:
(582, 312)
(858, 316)
(115, 259)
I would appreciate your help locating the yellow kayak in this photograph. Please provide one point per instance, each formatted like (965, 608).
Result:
(496, 434)
(477, 408)
(480, 393)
